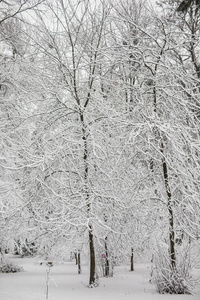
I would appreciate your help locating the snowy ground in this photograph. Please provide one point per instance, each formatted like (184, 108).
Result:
(66, 284)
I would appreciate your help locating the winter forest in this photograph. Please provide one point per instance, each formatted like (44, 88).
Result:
(100, 135)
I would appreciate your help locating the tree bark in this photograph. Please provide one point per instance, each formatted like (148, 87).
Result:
(166, 177)
(92, 258)
(170, 211)
(132, 256)
(75, 254)
(107, 266)
(79, 262)
(91, 236)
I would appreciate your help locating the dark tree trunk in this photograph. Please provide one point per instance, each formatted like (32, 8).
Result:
(92, 257)
(76, 258)
(107, 266)
(92, 278)
(132, 256)
(79, 262)
(166, 180)
(170, 211)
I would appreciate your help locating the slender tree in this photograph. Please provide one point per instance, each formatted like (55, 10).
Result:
(79, 30)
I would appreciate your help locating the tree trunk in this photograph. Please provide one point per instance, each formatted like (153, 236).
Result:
(107, 266)
(79, 262)
(166, 179)
(92, 258)
(76, 258)
(92, 279)
(170, 211)
(132, 265)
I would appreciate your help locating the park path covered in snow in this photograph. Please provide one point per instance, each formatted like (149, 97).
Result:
(66, 284)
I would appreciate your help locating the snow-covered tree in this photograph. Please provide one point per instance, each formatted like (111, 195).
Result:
(14, 131)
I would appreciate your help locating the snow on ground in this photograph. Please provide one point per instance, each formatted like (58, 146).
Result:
(66, 284)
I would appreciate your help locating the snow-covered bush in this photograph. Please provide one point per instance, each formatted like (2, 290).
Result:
(9, 267)
(171, 280)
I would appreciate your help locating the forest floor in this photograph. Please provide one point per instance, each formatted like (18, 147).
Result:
(66, 284)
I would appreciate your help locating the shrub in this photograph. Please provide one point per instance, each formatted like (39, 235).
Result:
(9, 267)
(172, 280)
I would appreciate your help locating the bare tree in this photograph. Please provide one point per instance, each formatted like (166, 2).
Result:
(72, 47)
